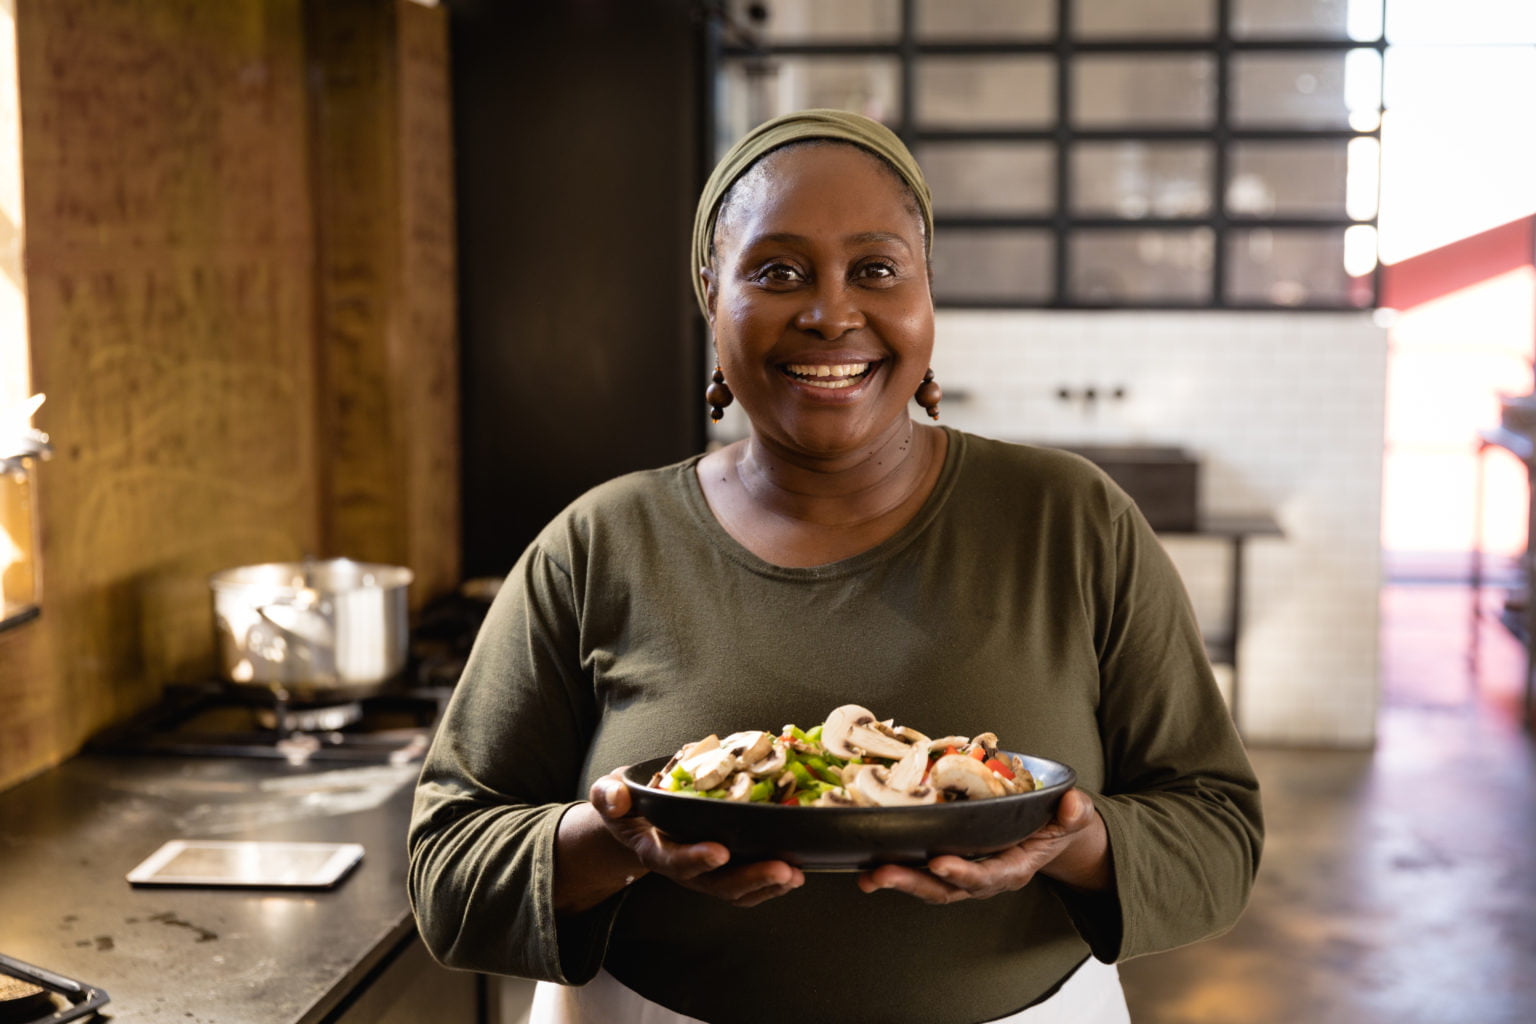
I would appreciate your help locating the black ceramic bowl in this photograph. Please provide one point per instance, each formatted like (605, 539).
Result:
(851, 838)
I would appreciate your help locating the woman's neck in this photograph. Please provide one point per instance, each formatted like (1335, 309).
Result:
(838, 493)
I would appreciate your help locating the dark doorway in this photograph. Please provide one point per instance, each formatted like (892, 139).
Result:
(577, 150)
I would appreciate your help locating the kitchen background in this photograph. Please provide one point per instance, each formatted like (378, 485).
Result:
(263, 332)
(396, 280)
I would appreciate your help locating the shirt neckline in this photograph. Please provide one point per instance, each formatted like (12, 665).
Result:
(698, 506)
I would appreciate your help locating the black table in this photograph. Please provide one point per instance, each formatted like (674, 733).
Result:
(1234, 530)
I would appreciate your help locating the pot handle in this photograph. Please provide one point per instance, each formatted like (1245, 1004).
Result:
(300, 623)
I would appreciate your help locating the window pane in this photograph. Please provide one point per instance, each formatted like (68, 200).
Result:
(1143, 18)
(985, 19)
(1141, 266)
(994, 92)
(1173, 89)
(1331, 19)
(990, 177)
(1456, 161)
(805, 21)
(1300, 179)
(1292, 268)
(1307, 90)
(1141, 179)
(1470, 21)
(1000, 266)
(754, 89)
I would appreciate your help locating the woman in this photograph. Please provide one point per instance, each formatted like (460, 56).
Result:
(842, 553)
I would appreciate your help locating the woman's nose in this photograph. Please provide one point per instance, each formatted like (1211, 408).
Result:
(831, 312)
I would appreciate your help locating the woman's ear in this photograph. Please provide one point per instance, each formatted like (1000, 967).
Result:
(711, 292)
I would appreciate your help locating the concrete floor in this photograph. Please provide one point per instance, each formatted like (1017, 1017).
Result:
(1399, 884)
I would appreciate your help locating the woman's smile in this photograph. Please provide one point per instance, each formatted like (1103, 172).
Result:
(830, 376)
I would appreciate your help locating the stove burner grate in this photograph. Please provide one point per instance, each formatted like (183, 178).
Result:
(38, 994)
(213, 720)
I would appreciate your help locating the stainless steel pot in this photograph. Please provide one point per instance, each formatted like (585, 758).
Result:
(312, 631)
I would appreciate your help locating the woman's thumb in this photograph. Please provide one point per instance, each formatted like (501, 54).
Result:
(610, 797)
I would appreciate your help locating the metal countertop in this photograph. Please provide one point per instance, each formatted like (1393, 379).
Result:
(196, 955)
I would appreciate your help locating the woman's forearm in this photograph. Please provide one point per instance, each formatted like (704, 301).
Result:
(590, 864)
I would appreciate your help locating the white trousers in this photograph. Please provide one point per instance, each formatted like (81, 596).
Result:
(1091, 996)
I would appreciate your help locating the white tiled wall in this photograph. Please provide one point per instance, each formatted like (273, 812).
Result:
(1286, 413)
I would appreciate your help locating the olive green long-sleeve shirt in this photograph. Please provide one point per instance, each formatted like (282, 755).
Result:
(1028, 598)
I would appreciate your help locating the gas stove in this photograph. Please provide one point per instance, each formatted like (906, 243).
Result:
(32, 995)
(391, 725)
(213, 719)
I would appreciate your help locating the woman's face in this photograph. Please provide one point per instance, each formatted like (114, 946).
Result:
(819, 298)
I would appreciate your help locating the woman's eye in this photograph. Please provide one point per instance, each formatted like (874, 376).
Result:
(780, 273)
(876, 271)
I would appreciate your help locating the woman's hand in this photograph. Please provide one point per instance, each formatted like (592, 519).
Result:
(703, 867)
(1072, 848)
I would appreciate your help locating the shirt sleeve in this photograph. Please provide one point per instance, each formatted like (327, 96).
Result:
(1180, 800)
(482, 833)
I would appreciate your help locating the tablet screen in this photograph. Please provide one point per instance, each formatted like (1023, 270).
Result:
(247, 863)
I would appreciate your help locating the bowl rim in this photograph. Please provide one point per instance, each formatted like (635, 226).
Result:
(1068, 780)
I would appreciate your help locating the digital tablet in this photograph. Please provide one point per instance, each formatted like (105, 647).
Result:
(255, 864)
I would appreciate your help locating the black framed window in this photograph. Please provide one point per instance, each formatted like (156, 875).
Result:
(1101, 153)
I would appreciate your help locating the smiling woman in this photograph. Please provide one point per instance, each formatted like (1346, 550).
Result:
(840, 554)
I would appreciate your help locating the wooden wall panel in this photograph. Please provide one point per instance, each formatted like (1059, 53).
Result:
(388, 347)
(169, 281)
(201, 398)
(426, 373)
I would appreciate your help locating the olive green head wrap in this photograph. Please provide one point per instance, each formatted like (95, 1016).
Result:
(780, 131)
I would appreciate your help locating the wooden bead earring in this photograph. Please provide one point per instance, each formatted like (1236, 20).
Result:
(928, 394)
(718, 395)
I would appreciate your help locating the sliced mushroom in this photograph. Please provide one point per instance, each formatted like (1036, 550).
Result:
(688, 750)
(836, 798)
(852, 731)
(775, 760)
(987, 741)
(846, 773)
(907, 773)
(740, 788)
(709, 768)
(1022, 781)
(961, 777)
(943, 743)
(750, 746)
(874, 785)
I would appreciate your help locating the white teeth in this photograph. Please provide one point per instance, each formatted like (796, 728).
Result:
(840, 370)
(846, 382)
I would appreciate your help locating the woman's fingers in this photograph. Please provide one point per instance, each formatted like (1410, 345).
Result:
(704, 867)
(747, 885)
(948, 879)
(761, 890)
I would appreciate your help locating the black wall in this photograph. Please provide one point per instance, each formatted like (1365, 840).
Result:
(577, 151)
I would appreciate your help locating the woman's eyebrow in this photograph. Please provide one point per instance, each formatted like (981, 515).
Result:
(872, 237)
